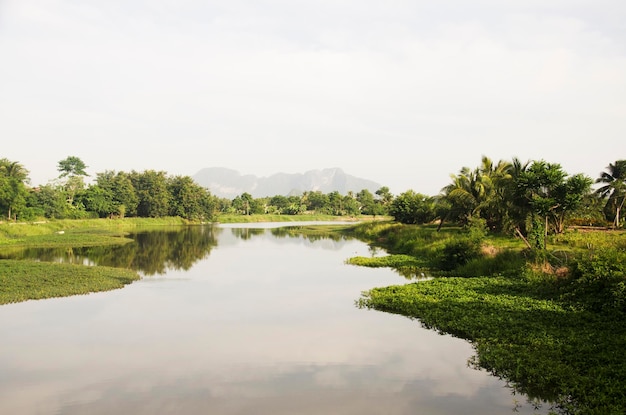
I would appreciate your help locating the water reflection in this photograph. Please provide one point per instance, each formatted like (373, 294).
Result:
(155, 252)
(250, 323)
(150, 252)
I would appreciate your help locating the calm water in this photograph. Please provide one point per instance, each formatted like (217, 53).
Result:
(234, 320)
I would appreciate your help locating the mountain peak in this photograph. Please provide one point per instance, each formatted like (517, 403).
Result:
(229, 183)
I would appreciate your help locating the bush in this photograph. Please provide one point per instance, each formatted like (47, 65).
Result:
(459, 252)
(506, 263)
(476, 228)
(598, 282)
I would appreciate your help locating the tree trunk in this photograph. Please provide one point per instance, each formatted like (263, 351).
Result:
(519, 233)
(440, 223)
(618, 209)
(545, 234)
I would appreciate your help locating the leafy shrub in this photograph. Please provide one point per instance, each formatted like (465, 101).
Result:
(476, 228)
(505, 263)
(459, 252)
(598, 282)
(413, 208)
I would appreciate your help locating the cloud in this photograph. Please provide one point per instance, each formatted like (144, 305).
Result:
(403, 93)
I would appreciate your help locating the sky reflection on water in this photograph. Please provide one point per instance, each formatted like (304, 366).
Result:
(263, 325)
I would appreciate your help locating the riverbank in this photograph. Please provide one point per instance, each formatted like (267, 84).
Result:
(232, 218)
(556, 333)
(22, 280)
(76, 232)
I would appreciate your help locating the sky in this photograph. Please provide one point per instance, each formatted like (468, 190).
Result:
(404, 93)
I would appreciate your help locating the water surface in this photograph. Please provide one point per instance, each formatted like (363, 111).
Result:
(235, 320)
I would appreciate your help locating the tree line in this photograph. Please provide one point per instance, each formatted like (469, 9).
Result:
(530, 199)
(113, 194)
(156, 194)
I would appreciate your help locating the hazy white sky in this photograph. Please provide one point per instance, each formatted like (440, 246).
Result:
(404, 93)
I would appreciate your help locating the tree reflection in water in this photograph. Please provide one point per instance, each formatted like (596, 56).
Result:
(154, 252)
(150, 252)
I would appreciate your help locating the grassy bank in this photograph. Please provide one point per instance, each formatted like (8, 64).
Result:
(555, 333)
(76, 232)
(25, 280)
(30, 280)
(232, 218)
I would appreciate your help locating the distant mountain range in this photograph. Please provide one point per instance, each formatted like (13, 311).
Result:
(228, 183)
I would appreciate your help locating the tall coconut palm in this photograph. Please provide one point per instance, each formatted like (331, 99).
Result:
(515, 205)
(495, 178)
(614, 189)
(466, 193)
(478, 192)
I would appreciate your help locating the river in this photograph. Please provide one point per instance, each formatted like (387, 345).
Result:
(235, 320)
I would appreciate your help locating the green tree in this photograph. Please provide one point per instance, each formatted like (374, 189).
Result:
(50, 200)
(279, 203)
(351, 205)
(72, 166)
(152, 193)
(99, 200)
(367, 202)
(72, 173)
(413, 208)
(493, 207)
(544, 191)
(335, 203)
(465, 194)
(245, 204)
(125, 194)
(318, 202)
(479, 192)
(209, 204)
(385, 197)
(513, 201)
(188, 199)
(122, 190)
(614, 189)
(590, 211)
(13, 191)
(569, 196)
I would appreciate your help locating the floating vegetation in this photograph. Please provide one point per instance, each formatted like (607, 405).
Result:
(554, 331)
(22, 280)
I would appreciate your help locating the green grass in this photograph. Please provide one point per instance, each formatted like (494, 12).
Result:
(408, 266)
(77, 232)
(580, 240)
(232, 218)
(31, 280)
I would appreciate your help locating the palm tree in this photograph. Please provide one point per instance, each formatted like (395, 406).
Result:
(614, 188)
(13, 169)
(13, 177)
(478, 191)
(515, 205)
(466, 193)
(495, 178)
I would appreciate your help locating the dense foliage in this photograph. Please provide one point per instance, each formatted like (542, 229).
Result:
(530, 199)
(155, 194)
